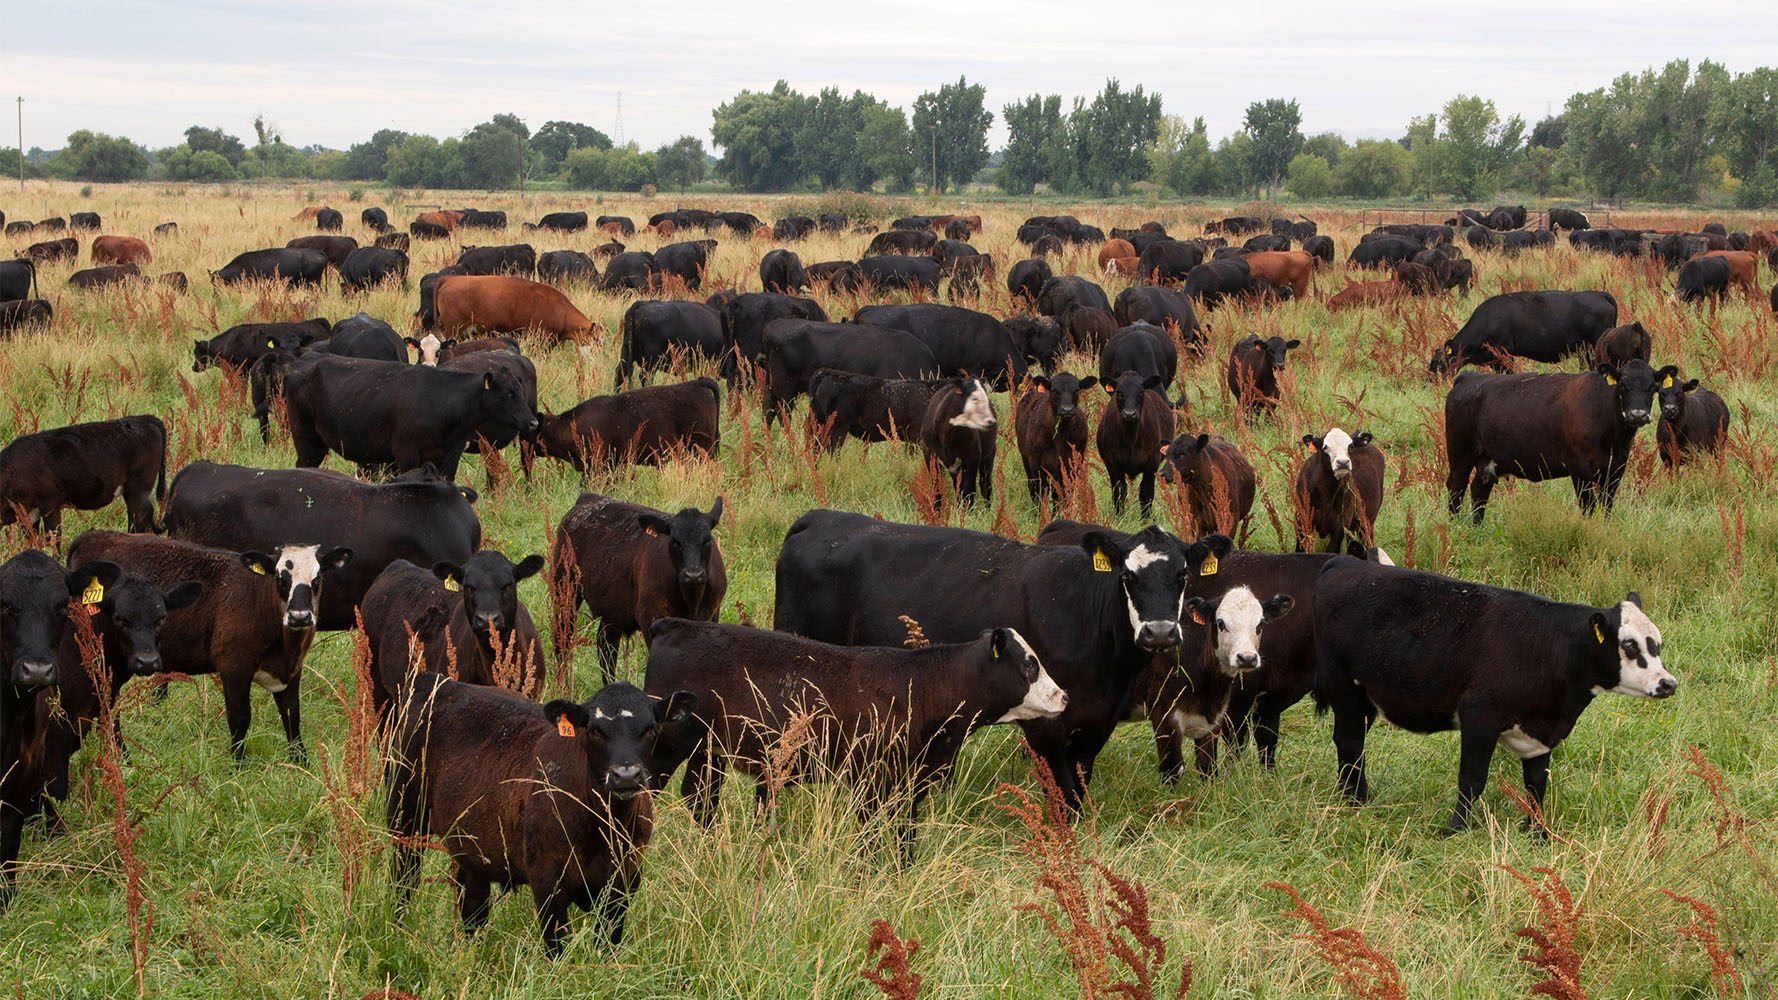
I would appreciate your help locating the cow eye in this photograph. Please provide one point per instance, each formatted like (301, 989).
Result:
(1222, 625)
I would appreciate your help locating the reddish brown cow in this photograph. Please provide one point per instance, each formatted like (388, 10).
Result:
(1127, 266)
(1052, 432)
(1112, 249)
(444, 220)
(83, 466)
(642, 425)
(504, 304)
(1340, 487)
(1088, 328)
(1136, 423)
(1217, 479)
(1743, 268)
(1366, 293)
(1291, 269)
(1622, 344)
(120, 250)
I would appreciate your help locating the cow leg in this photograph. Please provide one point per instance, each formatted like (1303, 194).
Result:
(1472, 771)
(290, 713)
(984, 477)
(1119, 490)
(605, 640)
(1147, 494)
(616, 905)
(12, 827)
(702, 784)
(1537, 779)
(1168, 743)
(1480, 490)
(472, 901)
(311, 451)
(138, 509)
(1206, 755)
(1265, 717)
(1456, 480)
(237, 708)
(51, 521)
(1349, 731)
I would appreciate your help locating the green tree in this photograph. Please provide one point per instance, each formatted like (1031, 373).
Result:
(885, 147)
(365, 161)
(1601, 131)
(1374, 168)
(621, 168)
(1474, 147)
(1274, 134)
(681, 162)
(275, 159)
(1309, 177)
(95, 156)
(1550, 132)
(1028, 124)
(1111, 135)
(1538, 169)
(757, 132)
(204, 166)
(1745, 118)
(1181, 158)
(1233, 165)
(1421, 142)
(951, 125)
(199, 139)
(556, 139)
(1327, 145)
(493, 152)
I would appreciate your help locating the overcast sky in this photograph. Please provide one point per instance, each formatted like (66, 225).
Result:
(333, 72)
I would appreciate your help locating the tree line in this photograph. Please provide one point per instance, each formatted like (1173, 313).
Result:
(1669, 134)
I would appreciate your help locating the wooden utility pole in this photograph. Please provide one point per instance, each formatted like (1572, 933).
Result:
(935, 159)
(21, 142)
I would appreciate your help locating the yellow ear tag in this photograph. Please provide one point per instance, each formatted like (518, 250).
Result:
(1101, 562)
(1599, 633)
(93, 594)
(1667, 383)
(1207, 568)
(564, 727)
(450, 583)
(272, 344)
(257, 568)
(1610, 380)
(464, 492)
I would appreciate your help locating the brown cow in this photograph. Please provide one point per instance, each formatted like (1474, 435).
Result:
(1366, 293)
(308, 213)
(642, 425)
(1291, 269)
(1340, 488)
(444, 220)
(1134, 426)
(1052, 432)
(1621, 344)
(504, 304)
(337, 248)
(50, 251)
(1088, 328)
(632, 566)
(83, 466)
(1113, 249)
(1692, 419)
(1127, 266)
(1418, 279)
(120, 250)
(1218, 481)
(1743, 267)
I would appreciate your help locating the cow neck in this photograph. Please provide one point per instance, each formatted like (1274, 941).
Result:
(948, 717)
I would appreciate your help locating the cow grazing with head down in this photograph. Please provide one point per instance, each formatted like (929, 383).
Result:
(504, 304)
(120, 250)
(648, 425)
(1692, 419)
(1254, 364)
(1135, 425)
(366, 267)
(1504, 667)
(1539, 427)
(1542, 326)
(1339, 489)
(957, 434)
(252, 626)
(1621, 345)
(1052, 432)
(631, 566)
(1025, 279)
(1218, 481)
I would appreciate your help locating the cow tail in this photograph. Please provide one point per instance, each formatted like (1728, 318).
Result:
(160, 487)
(34, 292)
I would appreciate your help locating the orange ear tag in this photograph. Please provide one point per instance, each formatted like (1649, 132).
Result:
(564, 727)
(1198, 616)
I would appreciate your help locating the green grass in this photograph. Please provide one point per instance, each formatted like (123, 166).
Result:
(245, 872)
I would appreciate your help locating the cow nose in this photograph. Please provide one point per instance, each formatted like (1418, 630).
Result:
(1158, 635)
(1066, 411)
(1666, 687)
(487, 620)
(145, 665)
(1247, 661)
(1639, 417)
(34, 673)
(624, 778)
(299, 619)
(532, 425)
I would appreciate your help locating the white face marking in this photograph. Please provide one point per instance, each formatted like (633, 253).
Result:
(978, 410)
(1640, 671)
(1238, 617)
(1337, 445)
(1189, 726)
(1141, 558)
(624, 713)
(1514, 739)
(268, 682)
(302, 562)
(599, 713)
(429, 346)
(1044, 699)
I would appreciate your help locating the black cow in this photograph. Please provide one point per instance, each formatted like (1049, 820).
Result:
(417, 516)
(901, 241)
(18, 312)
(1060, 293)
(329, 220)
(559, 267)
(103, 277)
(1321, 247)
(744, 320)
(1212, 281)
(1702, 278)
(17, 279)
(337, 248)
(1568, 218)
(634, 270)
(794, 227)
(964, 341)
(894, 272)
(563, 222)
(1543, 326)
(1141, 348)
(625, 227)
(475, 218)
(395, 241)
(1039, 338)
(518, 259)
(1166, 308)
(687, 261)
(374, 218)
(1383, 252)
(1168, 262)
(793, 350)
(239, 346)
(1093, 613)
(297, 267)
(84, 220)
(1526, 239)
(655, 331)
(782, 271)
(1134, 427)
(1238, 225)
(837, 276)
(1539, 427)
(427, 313)
(1504, 667)
(1254, 364)
(363, 336)
(1692, 419)
(869, 408)
(367, 267)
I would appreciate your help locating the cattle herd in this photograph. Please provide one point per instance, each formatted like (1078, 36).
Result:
(232, 571)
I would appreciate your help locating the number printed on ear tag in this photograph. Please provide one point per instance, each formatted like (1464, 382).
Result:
(450, 583)
(93, 594)
(1101, 562)
(1208, 567)
(564, 727)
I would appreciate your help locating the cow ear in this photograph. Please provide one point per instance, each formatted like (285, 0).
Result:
(468, 493)
(89, 583)
(1040, 383)
(336, 558)
(1203, 441)
(1363, 438)
(1691, 386)
(1200, 610)
(569, 717)
(1667, 371)
(1153, 382)
(1204, 556)
(1104, 551)
(653, 524)
(1603, 630)
(676, 708)
(487, 380)
(450, 573)
(1634, 598)
(1110, 387)
(1292, 345)
(715, 514)
(184, 595)
(1312, 441)
(528, 568)
(448, 342)
(259, 562)
(1277, 606)
(1089, 382)
(411, 342)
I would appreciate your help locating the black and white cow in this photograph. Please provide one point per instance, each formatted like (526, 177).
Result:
(1503, 667)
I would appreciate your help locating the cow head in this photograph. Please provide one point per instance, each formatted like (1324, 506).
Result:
(1039, 339)
(1633, 383)
(1336, 449)
(129, 618)
(1671, 390)
(427, 349)
(1276, 348)
(1126, 393)
(617, 729)
(296, 571)
(1181, 458)
(1443, 358)
(202, 355)
(1043, 698)
(1064, 390)
(1151, 568)
(489, 583)
(1636, 669)
(34, 597)
(978, 410)
(690, 547)
(503, 399)
(1235, 621)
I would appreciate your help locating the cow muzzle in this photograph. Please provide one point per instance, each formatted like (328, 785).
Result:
(625, 781)
(34, 673)
(1245, 662)
(1636, 418)
(1158, 635)
(297, 619)
(144, 665)
(486, 622)
(1664, 688)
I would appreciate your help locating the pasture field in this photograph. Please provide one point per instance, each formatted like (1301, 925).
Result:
(269, 879)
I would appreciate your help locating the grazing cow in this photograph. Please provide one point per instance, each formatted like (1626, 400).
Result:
(793, 350)
(794, 227)
(888, 720)
(1088, 329)
(1063, 292)
(335, 248)
(1168, 262)
(120, 250)
(1218, 481)
(1622, 344)
(1052, 432)
(635, 270)
(1743, 267)
(1320, 247)
(846, 404)
(625, 225)
(1093, 612)
(893, 272)
(1167, 308)
(1697, 423)
(17, 279)
(503, 304)
(1339, 489)
(296, 267)
(744, 320)
(1237, 225)
(1568, 218)
(963, 341)
(563, 222)
(240, 346)
(418, 516)
(1539, 427)
(1135, 425)
(687, 261)
(253, 624)
(1121, 266)
(654, 332)
(1039, 338)
(946, 251)
(1526, 239)
(363, 336)
(445, 220)
(1267, 243)
(367, 267)
(559, 267)
(1418, 279)
(1115, 249)
(1141, 348)
(18, 312)
(395, 241)
(1454, 273)
(1212, 281)
(84, 220)
(477, 219)
(902, 241)
(1366, 293)
(782, 271)
(374, 218)
(643, 425)
(519, 259)
(51, 251)
(1542, 326)
(104, 277)
(957, 229)
(831, 223)
(837, 276)
(84, 466)
(1254, 365)
(552, 796)
(631, 566)
(957, 434)
(329, 220)
(1050, 245)
(1292, 269)
(1504, 667)
(1385, 251)
(400, 416)
(463, 620)
(1701, 278)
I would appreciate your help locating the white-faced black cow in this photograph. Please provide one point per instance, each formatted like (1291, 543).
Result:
(1340, 489)
(957, 435)
(1504, 667)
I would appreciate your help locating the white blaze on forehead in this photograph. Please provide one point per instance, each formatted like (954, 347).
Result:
(1640, 671)
(302, 562)
(1044, 698)
(978, 410)
(429, 346)
(1238, 616)
(1142, 557)
(1337, 444)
